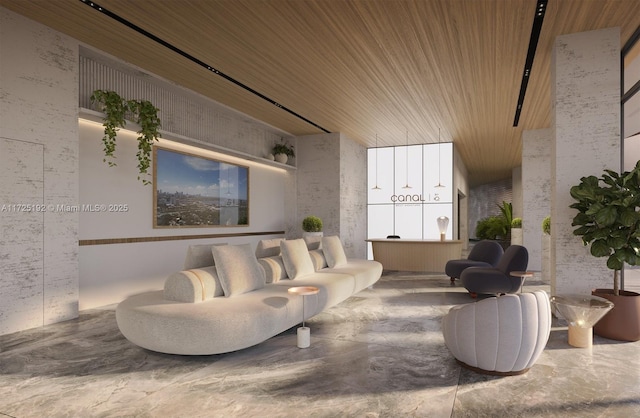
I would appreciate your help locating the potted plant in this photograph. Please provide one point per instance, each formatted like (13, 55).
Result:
(609, 221)
(497, 227)
(546, 250)
(142, 112)
(516, 231)
(282, 151)
(312, 226)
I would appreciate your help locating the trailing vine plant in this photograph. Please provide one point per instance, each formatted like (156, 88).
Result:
(142, 112)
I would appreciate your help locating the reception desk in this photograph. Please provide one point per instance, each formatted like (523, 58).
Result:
(415, 255)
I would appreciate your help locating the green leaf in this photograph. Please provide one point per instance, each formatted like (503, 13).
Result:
(599, 248)
(607, 216)
(616, 242)
(614, 264)
(628, 217)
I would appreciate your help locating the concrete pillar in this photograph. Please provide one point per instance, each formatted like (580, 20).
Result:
(536, 196)
(332, 184)
(585, 114)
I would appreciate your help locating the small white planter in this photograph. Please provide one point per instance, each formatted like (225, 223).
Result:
(281, 158)
(516, 236)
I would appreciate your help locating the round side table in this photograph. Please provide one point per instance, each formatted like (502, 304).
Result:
(524, 275)
(304, 333)
(582, 312)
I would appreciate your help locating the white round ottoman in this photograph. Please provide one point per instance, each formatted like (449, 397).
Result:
(501, 335)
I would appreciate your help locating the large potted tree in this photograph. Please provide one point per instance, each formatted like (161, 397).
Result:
(609, 221)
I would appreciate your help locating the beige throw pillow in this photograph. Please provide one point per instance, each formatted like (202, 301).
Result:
(238, 269)
(193, 286)
(318, 259)
(333, 251)
(274, 269)
(268, 248)
(199, 256)
(295, 255)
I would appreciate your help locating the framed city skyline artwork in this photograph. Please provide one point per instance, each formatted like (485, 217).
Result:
(192, 191)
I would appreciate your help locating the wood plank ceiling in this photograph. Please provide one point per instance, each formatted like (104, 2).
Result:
(361, 67)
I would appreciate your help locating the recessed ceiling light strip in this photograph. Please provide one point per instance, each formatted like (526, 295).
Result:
(190, 57)
(541, 8)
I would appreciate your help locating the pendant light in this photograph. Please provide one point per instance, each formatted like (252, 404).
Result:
(406, 186)
(439, 183)
(376, 186)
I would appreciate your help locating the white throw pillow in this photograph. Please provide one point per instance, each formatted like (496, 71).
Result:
(274, 269)
(313, 242)
(295, 255)
(318, 259)
(333, 251)
(192, 286)
(238, 269)
(199, 256)
(268, 248)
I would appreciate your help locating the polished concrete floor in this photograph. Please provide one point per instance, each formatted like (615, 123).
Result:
(378, 354)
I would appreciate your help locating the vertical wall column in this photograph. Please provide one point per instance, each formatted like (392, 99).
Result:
(332, 184)
(536, 198)
(39, 127)
(585, 112)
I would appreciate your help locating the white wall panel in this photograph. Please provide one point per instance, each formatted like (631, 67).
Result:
(39, 111)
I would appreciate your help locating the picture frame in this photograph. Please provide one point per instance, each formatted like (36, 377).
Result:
(194, 191)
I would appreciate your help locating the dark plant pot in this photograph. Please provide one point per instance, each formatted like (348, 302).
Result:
(622, 323)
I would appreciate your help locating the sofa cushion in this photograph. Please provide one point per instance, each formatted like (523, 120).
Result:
(274, 269)
(192, 286)
(314, 242)
(268, 248)
(333, 251)
(295, 255)
(199, 256)
(318, 259)
(238, 269)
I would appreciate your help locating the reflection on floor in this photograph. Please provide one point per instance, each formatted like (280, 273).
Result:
(378, 354)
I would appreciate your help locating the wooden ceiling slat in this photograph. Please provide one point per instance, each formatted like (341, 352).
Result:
(361, 67)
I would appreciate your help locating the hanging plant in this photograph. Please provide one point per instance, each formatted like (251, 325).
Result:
(142, 112)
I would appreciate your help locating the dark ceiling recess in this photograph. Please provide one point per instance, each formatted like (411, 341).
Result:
(541, 8)
(196, 60)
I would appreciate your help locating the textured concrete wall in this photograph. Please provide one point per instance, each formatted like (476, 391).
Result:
(516, 191)
(318, 181)
(484, 201)
(332, 184)
(585, 99)
(353, 197)
(536, 198)
(39, 165)
(461, 200)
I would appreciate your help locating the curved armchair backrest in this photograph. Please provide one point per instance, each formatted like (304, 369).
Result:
(487, 251)
(515, 258)
(503, 336)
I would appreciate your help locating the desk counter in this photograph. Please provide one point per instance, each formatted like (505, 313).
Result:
(415, 255)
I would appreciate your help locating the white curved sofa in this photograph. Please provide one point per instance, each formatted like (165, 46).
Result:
(216, 309)
(500, 335)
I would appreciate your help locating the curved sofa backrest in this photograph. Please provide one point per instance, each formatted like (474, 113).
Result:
(515, 258)
(487, 251)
